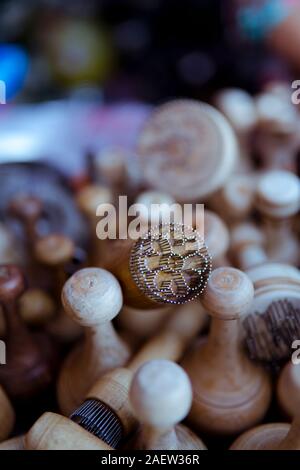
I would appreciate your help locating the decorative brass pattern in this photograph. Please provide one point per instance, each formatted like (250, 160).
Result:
(171, 264)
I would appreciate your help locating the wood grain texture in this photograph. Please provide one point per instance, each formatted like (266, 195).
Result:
(7, 415)
(230, 392)
(161, 397)
(92, 297)
(54, 432)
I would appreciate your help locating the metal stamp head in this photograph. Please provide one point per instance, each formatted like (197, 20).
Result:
(170, 264)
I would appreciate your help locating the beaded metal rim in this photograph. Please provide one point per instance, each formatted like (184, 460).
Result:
(170, 264)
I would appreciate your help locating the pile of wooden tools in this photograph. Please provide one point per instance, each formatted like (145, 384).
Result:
(114, 349)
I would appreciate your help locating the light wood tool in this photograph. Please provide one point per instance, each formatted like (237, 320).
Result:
(88, 200)
(278, 200)
(30, 357)
(54, 252)
(288, 389)
(106, 411)
(102, 421)
(161, 397)
(247, 246)
(7, 415)
(36, 308)
(276, 139)
(188, 147)
(10, 253)
(55, 432)
(234, 201)
(138, 325)
(230, 392)
(216, 237)
(28, 210)
(112, 166)
(239, 108)
(180, 329)
(92, 297)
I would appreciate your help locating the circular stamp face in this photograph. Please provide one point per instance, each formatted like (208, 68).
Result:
(170, 264)
(187, 147)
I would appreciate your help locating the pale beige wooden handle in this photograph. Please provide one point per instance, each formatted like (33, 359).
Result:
(15, 443)
(55, 432)
(182, 326)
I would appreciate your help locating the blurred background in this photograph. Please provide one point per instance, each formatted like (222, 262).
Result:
(148, 50)
(84, 73)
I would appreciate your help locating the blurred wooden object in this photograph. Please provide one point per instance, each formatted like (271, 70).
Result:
(102, 421)
(234, 202)
(239, 108)
(88, 200)
(9, 251)
(188, 147)
(7, 415)
(278, 200)
(142, 324)
(156, 207)
(30, 356)
(92, 297)
(272, 323)
(276, 139)
(183, 325)
(106, 411)
(15, 443)
(216, 237)
(247, 246)
(116, 168)
(230, 392)
(161, 396)
(54, 252)
(288, 390)
(28, 210)
(36, 308)
(275, 436)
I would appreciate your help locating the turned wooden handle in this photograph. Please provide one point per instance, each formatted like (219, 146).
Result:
(54, 432)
